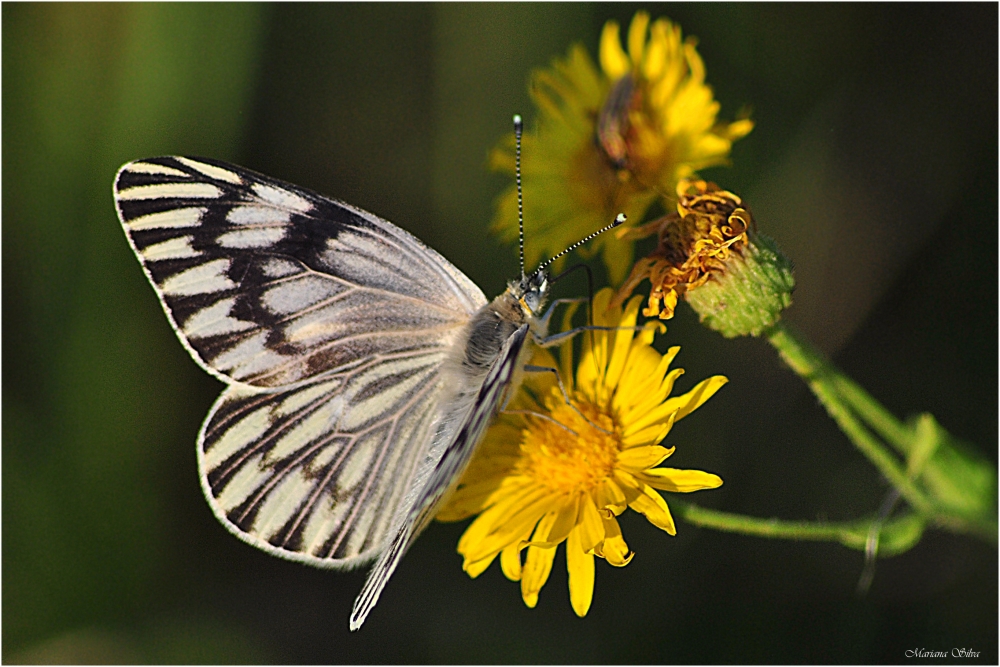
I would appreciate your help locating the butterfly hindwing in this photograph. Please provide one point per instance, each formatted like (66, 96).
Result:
(270, 284)
(318, 472)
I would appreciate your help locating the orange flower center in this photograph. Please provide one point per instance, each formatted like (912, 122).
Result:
(567, 453)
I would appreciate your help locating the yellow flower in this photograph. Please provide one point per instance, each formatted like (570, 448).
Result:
(612, 140)
(549, 472)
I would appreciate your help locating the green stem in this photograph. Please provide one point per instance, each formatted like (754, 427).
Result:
(897, 534)
(823, 379)
(871, 411)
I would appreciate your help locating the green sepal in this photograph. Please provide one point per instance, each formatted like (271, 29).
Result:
(958, 480)
(749, 296)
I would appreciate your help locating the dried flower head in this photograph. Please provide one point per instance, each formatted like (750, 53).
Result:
(710, 254)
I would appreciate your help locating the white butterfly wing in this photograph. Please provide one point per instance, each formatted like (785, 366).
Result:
(317, 473)
(331, 326)
(270, 284)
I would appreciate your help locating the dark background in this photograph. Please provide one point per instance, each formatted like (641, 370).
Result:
(873, 163)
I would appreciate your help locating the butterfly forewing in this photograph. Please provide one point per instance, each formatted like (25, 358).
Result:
(330, 324)
(269, 284)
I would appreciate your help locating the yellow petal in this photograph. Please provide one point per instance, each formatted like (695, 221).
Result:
(524, 520)
(644, 425)
(510, 561)
(591, 376)
(565, 520)
(476, 568)
(738, 129)
(664, 414)
(469, 500)
(680, 481)
(589, 523)
(535, 573)
(604, 314)
(631, 487)
(601, 354)
(507, 527)
(566, 349)
(613, 549)
(637, 36)
(647, 436)
(613, 60)
(645, 336)
(640, 389)
(640, 458)
(540, 535)
(654, 60)
(537, 506)
(651, 505)
(580, 565)
(622, 342)
(517, 490)
(667, 385)
(610, 498)
(692, 400)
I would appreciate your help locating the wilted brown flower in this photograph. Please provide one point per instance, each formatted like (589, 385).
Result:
(709, 253)
(710, 224)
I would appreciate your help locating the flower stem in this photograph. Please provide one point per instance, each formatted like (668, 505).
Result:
(826, 382)
(871, 411)
(897, 534)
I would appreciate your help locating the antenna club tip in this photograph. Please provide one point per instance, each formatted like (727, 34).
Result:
(518, 123)
(620, 218)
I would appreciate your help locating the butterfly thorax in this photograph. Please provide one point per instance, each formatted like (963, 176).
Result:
(479, 346)
(496, 321)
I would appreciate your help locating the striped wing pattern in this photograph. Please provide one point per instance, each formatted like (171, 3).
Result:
(269, 284)
(317, 473)
(329, 324)
(445, 473)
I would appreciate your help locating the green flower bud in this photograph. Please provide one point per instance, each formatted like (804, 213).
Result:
(749, 295)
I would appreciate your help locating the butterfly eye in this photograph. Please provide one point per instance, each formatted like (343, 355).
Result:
(533, 299)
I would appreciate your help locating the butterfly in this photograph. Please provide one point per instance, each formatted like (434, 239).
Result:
(361, 366)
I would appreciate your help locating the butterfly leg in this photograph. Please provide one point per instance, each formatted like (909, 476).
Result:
(552, 306)
(544, 416)
(528, 368)
(563, 336)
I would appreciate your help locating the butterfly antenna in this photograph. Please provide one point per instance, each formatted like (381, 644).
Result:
(619, 219)
(518, 129)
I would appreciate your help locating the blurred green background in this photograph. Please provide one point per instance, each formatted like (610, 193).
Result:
(873, 163)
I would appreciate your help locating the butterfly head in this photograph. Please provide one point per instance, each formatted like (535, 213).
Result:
(531, 291)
